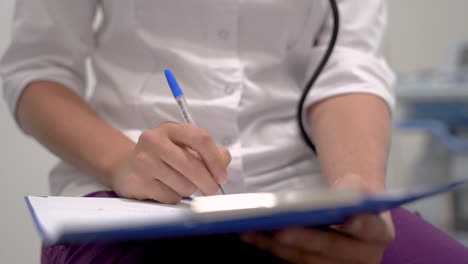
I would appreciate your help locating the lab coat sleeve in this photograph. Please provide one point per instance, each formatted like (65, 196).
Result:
(50, 41)
(357, 64)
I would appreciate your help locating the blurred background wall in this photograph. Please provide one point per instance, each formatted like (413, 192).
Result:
(23, 170)
(421, 31)
(421, 38)
(419, 34)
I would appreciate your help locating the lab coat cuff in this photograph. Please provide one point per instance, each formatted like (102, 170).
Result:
(14, 86)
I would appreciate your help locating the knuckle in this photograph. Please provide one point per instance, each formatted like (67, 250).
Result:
(146, 136)
(154, 140)
(150, 137)
(203, 137)
(141, 159)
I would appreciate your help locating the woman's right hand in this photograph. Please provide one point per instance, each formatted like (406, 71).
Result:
(172, 161)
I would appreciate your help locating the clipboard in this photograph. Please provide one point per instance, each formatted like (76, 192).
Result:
(75, 219)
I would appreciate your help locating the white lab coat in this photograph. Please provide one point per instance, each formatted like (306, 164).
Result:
(241, 64)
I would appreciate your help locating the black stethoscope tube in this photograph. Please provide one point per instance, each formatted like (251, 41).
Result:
(320, 67)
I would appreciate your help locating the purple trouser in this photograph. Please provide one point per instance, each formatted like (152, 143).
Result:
(417, 242)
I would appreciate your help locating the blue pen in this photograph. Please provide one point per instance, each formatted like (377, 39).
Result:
(181, 102)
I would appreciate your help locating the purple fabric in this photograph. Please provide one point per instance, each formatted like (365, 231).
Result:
(419, 242)
(416, 242)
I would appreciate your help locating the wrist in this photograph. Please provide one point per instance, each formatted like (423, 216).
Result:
(113, 162)
(358, 182)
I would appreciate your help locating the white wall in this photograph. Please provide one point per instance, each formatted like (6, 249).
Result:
(419, 31)
(23, 169)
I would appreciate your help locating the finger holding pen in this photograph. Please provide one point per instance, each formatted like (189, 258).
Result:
(188, 154)
(172, 161)
(201, 144)
(202, 138)
(169, 162)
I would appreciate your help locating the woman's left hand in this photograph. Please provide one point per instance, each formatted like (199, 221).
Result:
(361, 239)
